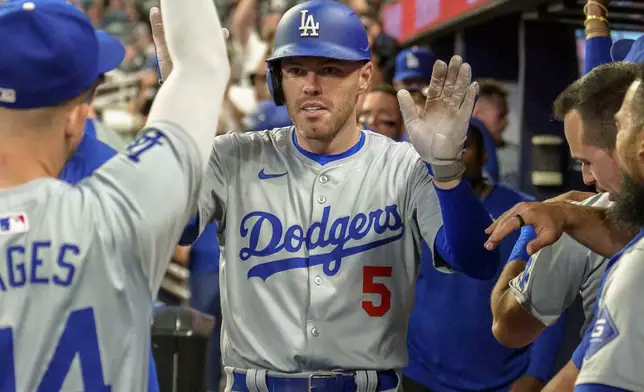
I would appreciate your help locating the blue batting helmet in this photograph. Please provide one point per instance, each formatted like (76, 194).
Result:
(316, 28)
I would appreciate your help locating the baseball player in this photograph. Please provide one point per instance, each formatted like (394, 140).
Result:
(533, 292)
(83, 263)
(450, 342)
(91, 153)
(321, 223)
(614, 352)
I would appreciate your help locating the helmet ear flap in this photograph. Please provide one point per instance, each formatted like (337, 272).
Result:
(274, 80)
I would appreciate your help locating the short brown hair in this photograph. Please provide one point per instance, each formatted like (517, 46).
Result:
(597, 96)
(384, 88)
(491, 88)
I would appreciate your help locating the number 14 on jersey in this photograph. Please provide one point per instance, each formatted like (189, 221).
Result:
(79, 337)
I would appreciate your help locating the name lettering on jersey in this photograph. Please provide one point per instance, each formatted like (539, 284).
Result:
(336, 236)
(308, 26)
(144, 142)
(14, 223)
(604, 331)
(39, 263)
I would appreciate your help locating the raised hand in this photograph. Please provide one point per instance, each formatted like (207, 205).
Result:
(158, 34)
(439, 131)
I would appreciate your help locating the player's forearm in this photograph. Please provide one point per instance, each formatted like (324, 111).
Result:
(512, 326)
(242, 20)
(464, 223)
(193, 93)
(564, 381)
(592, 227)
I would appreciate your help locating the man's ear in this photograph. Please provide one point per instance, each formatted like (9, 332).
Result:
(366, 74)
(76, 121)
(640, 148)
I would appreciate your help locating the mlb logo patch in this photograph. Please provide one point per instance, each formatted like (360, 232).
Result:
(14, 223)
(7, 95)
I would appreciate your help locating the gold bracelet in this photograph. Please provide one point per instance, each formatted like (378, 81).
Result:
(595, 17)
(600, 5)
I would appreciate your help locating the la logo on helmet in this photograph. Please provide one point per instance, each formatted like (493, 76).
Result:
(412, 61)
(308, 26)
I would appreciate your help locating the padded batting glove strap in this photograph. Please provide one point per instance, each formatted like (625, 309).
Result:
(451, 171)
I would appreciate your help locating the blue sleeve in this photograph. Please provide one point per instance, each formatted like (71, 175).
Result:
(190, 233)
(519, 252)
(459, 242)
(153, 381)
(580, 351)
(597, 388)
(204, 255)
(597, 52)
(544, 350)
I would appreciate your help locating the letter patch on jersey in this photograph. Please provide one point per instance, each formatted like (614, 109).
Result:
(144, 142)
(14, 223)
(308, 26)
(604, 330)
(338, 239)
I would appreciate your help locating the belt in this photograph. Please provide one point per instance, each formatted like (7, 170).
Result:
(317, 382)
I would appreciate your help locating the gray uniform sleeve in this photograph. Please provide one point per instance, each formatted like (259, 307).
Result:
(142, 199)
(424, 210)
(552, 279)
(614, 353)
(213, 198)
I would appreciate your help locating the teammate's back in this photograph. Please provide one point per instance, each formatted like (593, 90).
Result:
(80, 265)
(70, 289)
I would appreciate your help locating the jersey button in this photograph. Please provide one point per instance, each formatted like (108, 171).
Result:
(324, 179)
(315, 332)
(321, 199)
(318, 280)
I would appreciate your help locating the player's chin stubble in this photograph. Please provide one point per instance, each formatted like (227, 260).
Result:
(629, 206)
(325, 129)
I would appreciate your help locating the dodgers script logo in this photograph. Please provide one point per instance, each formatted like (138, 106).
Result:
(335, 236)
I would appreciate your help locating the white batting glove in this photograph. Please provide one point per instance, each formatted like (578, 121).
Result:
(158, 34)
(438, 133)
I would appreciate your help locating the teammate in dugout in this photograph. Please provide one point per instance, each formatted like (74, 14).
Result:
(527, 298)
(612, 351)
(83, 262)
(321, 223)
(450, 342)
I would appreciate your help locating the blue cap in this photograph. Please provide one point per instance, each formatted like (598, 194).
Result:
(267, 116)
(415, 62)
(51, 54)
(628, 50)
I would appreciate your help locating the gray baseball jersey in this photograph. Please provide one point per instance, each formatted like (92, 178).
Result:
(556, 274)
(614, 353)
(319, 259)
(82, 266)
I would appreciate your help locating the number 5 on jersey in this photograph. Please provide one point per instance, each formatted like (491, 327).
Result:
(78, 337)
(370, 286)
